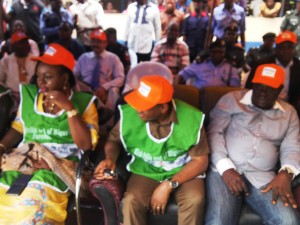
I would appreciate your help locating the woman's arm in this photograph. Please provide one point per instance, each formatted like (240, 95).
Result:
(11, 139)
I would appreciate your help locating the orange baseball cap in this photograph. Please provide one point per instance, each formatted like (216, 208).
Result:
(152, 90)
(98, 34)
(18, 36)
(269, 74)
(56, 54)
(286, 36)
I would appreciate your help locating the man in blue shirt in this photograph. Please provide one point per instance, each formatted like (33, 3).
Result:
(225, 14)
(214, 71)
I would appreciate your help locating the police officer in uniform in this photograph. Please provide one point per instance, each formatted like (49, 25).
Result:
(291, 22)
(264, 51)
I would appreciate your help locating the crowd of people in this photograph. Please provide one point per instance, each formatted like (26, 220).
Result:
(62, 69)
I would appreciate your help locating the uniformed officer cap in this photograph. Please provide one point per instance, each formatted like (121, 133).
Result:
(269, 35)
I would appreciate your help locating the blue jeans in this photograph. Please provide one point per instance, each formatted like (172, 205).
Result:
(223, 208)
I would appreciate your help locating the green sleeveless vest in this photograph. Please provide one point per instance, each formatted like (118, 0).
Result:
(160, 159)
(47, 129)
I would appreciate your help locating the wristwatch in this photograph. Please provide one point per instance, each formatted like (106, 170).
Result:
(173, 184)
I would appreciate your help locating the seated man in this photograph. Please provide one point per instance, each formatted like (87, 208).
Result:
(115, 47)
(264, 51)
(284, 57)
(171, 51)
(169, 153)
(101, 69)
(214, 71)
(17, 68)
(250, 132)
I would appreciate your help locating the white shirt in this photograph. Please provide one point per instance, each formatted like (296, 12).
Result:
(89, 15)
(142, 23)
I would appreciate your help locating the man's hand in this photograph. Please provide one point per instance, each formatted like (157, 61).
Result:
(235, 183)
(281, 186)
(160, 198)
(101, 93)
(99, 171)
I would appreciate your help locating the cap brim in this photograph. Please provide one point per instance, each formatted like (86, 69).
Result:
(137, 101)
(48, 61)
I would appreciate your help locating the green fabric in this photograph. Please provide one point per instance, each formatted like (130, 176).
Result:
(48, 129)
(2, 89)
(160, 159)
(38, 124)
(44, 176)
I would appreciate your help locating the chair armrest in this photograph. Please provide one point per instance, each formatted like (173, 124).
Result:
(83, 161)
(109, 193)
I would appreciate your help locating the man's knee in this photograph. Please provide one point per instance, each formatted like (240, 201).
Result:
(289, 217)
(133, 201)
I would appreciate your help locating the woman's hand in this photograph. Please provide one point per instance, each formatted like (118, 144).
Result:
(60, 99)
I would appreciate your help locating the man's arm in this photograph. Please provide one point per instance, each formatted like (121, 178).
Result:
(5, 16)
(155, 57)
(118, 76)
(289, 158)
(157, 25)
(195, 167)
(112, 150)
(220, 119)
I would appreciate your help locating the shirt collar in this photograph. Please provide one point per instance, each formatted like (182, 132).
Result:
(101, 55)
(287, 66)
(247, 100)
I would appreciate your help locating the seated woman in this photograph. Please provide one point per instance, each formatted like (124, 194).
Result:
(53, 125)
(270, 8)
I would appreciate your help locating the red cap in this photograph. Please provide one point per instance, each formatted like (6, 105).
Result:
(56, 54)
(98, 34)
(269, 74)
(18, 36)
(286, 36)
(152, 90)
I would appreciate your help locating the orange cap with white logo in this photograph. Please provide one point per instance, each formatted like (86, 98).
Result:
(152, 90)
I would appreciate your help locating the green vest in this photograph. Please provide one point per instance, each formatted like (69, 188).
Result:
(51, 130)
(160, 159)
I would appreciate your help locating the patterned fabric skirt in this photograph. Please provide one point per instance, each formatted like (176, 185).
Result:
(39, 204)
